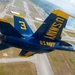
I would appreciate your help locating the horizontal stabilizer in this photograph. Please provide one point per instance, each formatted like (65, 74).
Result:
(26, 53)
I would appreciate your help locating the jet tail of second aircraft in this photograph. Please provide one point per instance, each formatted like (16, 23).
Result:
(7, 29)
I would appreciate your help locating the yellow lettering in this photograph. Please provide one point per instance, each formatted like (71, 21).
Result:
(65, 46)
(54, 29)
(23, 26)
(49, 37)
(51, 44)
(51, 33)
(41, 42)
(59, 19)
(57, 25)
(45, 43)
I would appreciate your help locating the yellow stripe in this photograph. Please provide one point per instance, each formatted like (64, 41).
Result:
(3, 20)
(29, 54)
(61, 13)
(18, 15)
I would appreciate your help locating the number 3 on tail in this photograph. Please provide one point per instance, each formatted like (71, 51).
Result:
(23, 26)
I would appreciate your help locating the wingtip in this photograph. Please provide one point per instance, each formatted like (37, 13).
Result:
(61, 13)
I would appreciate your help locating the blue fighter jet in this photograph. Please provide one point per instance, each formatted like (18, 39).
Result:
(46, 39)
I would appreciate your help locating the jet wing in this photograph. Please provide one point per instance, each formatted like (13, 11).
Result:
(52, 27)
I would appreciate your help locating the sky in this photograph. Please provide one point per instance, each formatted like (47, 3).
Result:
(66, 5)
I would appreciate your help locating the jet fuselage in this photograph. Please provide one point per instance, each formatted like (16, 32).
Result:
(34, 45)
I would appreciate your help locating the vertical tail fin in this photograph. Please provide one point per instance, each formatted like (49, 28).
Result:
(21, 25)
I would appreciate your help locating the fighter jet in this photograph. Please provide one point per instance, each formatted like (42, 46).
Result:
(46, 39)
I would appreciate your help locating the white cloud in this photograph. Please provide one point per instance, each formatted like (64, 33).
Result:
(72, 1)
